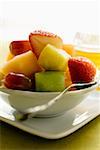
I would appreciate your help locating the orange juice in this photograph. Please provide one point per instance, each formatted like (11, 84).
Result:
(88, 45)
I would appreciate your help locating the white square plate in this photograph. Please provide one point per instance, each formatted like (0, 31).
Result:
(60, 126)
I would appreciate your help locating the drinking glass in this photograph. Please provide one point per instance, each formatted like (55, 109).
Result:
(88, 45)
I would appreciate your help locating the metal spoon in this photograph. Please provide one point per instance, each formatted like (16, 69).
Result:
(31, 112)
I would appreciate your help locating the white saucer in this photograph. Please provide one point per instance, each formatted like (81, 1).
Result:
(61, 126)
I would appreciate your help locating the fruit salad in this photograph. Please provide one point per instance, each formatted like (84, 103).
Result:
(44, 63)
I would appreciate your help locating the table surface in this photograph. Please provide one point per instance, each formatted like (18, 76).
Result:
(86, 138)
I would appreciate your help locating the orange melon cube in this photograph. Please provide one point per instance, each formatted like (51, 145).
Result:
(25, 63)
(69, 48)
(9, 56)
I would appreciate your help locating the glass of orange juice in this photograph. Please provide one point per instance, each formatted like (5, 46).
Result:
(88, 45)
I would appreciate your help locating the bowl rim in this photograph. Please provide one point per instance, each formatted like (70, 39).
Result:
(32, 93)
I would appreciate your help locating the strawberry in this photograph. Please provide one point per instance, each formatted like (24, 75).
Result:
(39, 39)
(81, 69)
(19, 47)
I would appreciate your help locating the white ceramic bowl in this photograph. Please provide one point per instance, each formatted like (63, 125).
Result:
(24, 99)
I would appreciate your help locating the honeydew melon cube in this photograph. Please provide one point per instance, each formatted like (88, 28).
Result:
(52, 58)
(50, 81)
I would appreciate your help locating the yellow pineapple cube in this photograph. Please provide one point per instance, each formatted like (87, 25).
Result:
(52, 58)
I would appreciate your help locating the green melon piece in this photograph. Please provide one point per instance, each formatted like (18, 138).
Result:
(50, 81)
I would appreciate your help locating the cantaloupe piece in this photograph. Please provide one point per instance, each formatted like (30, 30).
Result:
(69, 48)
(9, 56)
(25, 63)
(1, 78)
(68, 80)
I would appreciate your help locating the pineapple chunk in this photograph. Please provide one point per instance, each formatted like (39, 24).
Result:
(52, 58)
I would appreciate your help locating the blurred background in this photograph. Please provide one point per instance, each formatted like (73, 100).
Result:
(65, 18)
(19, 18)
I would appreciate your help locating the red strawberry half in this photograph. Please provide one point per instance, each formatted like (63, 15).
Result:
(81, 69)
(39, 39)
(19, 47)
